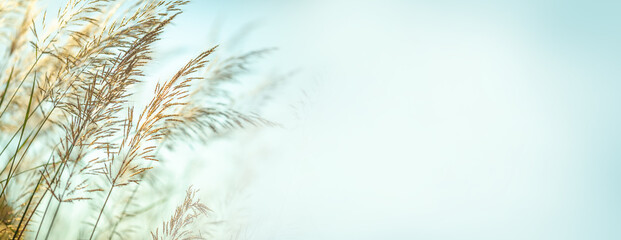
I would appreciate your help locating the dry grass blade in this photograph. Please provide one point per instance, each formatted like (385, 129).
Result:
(71, 139)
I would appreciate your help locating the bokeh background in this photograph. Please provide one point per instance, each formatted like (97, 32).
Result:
(419, 119)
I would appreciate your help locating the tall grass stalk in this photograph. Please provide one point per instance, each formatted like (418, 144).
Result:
(71, 135)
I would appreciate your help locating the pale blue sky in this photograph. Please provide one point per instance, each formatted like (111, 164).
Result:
(434, 119)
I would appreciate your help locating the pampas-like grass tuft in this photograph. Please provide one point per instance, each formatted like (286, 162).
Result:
(70, 138)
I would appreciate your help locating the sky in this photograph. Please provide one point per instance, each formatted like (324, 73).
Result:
(429, 119)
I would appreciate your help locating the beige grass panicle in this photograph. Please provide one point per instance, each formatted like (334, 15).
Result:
(72, 143)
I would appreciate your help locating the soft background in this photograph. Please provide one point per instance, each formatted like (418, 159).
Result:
(421, 120)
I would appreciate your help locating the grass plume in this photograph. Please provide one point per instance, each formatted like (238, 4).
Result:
(70, 135)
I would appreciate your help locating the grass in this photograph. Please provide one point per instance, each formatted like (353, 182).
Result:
(76, 150)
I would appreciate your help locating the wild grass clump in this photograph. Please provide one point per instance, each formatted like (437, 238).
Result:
(76, 149)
